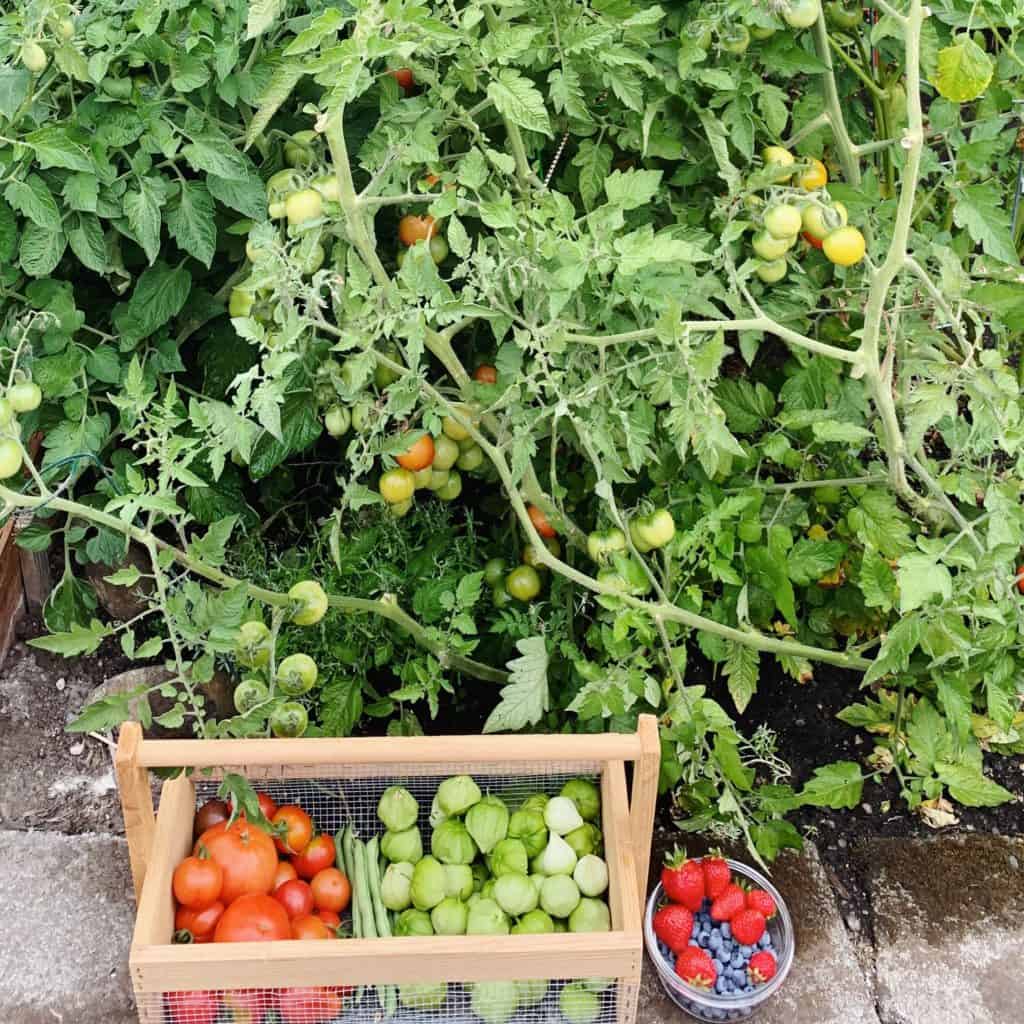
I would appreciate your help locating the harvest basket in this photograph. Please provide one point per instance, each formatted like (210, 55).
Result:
(341, 780)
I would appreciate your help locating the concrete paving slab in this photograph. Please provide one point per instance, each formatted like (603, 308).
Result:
(826, 984)
(949, 928)
(71, 965)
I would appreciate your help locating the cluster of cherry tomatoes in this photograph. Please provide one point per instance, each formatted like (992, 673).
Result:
(800, 208)
(523, 582)
(242, 883)
(293, 677)
(22, 396)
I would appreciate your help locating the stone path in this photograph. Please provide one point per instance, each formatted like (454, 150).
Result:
(942, 941)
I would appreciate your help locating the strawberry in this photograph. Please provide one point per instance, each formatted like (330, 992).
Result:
(717, 876)
(761, 967)
(683, 881)
(673, 925)
(758, 899)
(695, 967)
(747, 926)
(729, 903)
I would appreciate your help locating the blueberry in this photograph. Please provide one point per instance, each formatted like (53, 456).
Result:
(737, 961)
(702, 940)
(705, 904)
(748, 988)
(729, 987)
(729, 946)
(765, 940)
(715, 941)
(747, 951)
(726, 931)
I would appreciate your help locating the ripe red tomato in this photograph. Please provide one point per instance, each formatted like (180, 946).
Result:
(298, 829)
(253, 918)
(331, 890)
(540, 522)
(285, 873)
(310, 1005)
(213, 812)
(192, 1007)
(197, 926)
(485, 374)
(403, 76)
(267, 806)
(247, 855)
(296, 897)
(197, 881)
(310, 927)
(329, 918)
(418, 455)
(816, 243)
(413, 229)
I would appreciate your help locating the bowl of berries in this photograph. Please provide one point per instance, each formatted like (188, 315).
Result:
(719, 935)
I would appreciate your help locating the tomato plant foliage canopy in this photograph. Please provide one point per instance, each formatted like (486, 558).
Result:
(224, 225)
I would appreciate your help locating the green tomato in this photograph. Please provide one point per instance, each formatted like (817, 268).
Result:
(761, 32)
(299, 151)
(780, 158)
(33, 56)
(117, 88)
(385, 375)
(438, 478)
(844, 17)
(828, 494)
(400, 509)
(66, 29)
(327, 186)
(782, 220)
(303, 206)
(500, 596)
(10, 458)
(280, 185)
(438, 248)
(314, 260)
(749, 531)
(494, 571)
(289, 721)
(446, 452)
(6, 413)
(735, 39)
(25, 397)
(523, 583)
(801, 13)
(361, 413)
(472, 458)
(453, 428)
(769, 248)
(652, 531)
(297, 675)
(531, 558)
(698, 32)
(241, 302)
(313, 602)
(819, 221)
(249, 695)
(452, 487)
(252, 645)
(397, 485)
(275, 210)
(424, 478)
(602, 544)
(772, 271)
(337, 420)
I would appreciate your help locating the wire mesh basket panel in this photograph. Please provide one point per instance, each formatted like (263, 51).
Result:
(595, 1001)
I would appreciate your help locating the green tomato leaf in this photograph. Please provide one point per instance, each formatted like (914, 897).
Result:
(969, 787)
(963, 71)
(525, 699)
(835, 785)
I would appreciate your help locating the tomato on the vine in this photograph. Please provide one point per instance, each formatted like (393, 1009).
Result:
(241, 302)
(603, 544)
(337, 420)
(446, 452)
(33, 56)
(494, 571)
(252, 645)
(316, 857)
(438, 248)
(772, 271)
(296, 675)
(253, 918)
(10, 458)
(331, 890)
(842, 16)
(828, 494)
(403, 76)
(761, 32)
(523, 583)
(818, 221)
(780, 159)
(66, 29)
(397, 485)
(313, 602)
(289, 720)
(250, 694)
(471, 458)
(25, 396)
(299, 151)
(453, 428)
(815, 176)
(413, 229)
(540, 522)
(197, 926)
(652, 531)
(6, 412)
(296, 897)
(327, 186)
(303, 206)
(485, 374)
(782, 220)
(735, 39)
(844, 247)
(801, 13)
(451, 488)
(419, 455)
(282, 184)
(767, 247)
(197, 881)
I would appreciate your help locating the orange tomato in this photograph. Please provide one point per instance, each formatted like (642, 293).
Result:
(413, 229)
(403, 76)
(267, 806)
(197, 881)
(319, 854)
(197, 925)
(310, 927)
(310, 1005)
(331, 890)
(253, 918)
(329, 918)
(285, 873)
(297, 827)
(485, 374)
(247, 855)
(418, 455)
(540, 522)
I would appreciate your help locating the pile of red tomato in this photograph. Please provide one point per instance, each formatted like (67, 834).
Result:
(243, 883)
